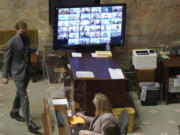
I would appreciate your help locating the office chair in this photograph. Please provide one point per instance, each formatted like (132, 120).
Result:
(123, 122)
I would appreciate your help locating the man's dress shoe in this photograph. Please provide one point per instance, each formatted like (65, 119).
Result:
(17, 117)
(32, 127)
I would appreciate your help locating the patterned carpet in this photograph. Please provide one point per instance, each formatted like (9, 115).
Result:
(156, 120)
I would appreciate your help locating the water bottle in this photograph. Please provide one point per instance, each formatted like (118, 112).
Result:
(69, 111)
(107, 47)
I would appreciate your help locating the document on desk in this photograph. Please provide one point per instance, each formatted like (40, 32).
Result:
(84, 74)
(116, 73)
(76, 54)
(59, 101)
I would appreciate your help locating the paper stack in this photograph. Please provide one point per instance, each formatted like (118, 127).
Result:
(103, 54)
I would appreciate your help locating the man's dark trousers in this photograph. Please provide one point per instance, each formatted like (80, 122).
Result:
(21, 99)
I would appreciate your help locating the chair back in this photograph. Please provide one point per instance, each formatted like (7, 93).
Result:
(123, 121)
(5, 35)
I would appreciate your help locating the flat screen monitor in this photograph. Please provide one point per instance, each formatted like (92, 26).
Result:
(89, 26)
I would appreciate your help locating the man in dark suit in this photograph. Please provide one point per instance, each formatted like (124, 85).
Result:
(17, 63)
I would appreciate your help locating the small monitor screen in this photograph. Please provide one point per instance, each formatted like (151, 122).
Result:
(86, 26)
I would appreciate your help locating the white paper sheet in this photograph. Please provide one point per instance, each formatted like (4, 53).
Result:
(59, 101)
(84, 74)
(76, 54)
(93, 54)
(116, 73)
(176, 82)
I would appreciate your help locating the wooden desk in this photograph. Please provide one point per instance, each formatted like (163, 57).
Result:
(85, 89)
(173, 62)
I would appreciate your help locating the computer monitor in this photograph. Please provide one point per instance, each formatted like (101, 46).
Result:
(89, 26)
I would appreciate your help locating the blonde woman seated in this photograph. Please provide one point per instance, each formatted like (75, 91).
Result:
(104, 115)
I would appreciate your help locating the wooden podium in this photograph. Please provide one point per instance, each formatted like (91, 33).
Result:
(86, 88)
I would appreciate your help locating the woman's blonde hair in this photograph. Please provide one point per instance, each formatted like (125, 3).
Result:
(102, 104)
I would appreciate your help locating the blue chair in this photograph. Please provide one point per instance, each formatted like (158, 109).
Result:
(123, 122)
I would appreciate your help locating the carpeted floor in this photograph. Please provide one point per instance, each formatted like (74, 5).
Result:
(151, 120)
(36, 92)
(156, 120)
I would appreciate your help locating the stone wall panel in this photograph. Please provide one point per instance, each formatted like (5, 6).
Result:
(149, 22)
(26, 4)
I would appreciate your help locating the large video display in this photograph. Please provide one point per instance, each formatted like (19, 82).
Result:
(90, 25)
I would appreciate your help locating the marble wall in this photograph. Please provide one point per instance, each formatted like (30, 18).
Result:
(150, 23)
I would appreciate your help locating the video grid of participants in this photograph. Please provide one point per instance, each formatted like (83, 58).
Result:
(89, 25)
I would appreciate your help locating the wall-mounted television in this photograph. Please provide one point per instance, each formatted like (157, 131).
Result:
(89, 26)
